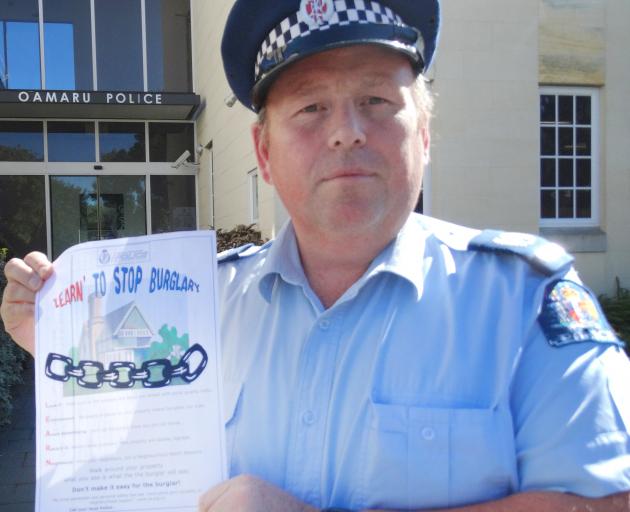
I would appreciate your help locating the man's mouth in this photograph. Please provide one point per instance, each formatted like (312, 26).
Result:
(349, 174)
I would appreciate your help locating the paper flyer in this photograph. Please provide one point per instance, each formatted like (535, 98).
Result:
(128, 376)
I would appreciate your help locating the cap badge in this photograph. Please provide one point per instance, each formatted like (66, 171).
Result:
(316, 12)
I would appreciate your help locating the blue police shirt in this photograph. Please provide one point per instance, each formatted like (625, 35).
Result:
(430, 383)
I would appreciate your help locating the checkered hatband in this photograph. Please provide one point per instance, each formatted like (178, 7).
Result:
(337, 13)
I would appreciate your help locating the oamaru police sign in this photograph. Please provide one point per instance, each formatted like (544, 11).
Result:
(97, 104)
(108, 98)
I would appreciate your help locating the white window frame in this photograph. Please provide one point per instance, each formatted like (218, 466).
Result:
(254, 202)
(594, 220)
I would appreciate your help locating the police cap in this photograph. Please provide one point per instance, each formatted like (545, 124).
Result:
(262, 37)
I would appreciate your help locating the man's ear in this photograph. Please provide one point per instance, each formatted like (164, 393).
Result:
(261, 146)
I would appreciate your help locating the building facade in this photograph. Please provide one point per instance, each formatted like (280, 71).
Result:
(530, 134)
(96, 105)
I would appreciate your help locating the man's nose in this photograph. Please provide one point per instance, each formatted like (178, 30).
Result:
(347, 128)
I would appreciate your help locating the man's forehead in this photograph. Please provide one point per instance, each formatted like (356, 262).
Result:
(364, 65)
(305, 86)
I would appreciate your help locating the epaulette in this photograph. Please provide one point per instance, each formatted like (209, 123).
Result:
(237, 253)
(546, 257)
(453, 235)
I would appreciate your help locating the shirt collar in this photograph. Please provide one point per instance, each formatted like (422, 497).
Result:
(403, 257)
(283, 260)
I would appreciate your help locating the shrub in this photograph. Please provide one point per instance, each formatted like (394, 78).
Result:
(240, 235)
(11, 360)
(617, 311)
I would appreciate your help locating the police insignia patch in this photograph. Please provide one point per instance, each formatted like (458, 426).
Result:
(570, 315)
(316, 12)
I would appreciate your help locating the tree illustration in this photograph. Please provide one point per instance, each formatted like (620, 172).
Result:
(172, 347)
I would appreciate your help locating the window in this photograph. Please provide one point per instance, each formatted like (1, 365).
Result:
(71, 141)
(568, 157)
(167, 141)
(22, 214)
(75, 141)
(19, 45)
(51, 198)
(73, 211)
(68, 44)
(119, 45)
(87, 208)
(252, 178)
(21, 141)
(169, 64)
(173, 203)
(122, 142)
(96, 45)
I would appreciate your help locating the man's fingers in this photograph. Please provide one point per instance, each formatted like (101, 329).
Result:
(30, 272)
(14, 313)
(18, 271)
(18, 323)
(24, 279)
(40, 263)
(209, 498)
(17, 292)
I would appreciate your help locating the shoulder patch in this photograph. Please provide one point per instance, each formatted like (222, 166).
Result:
(570, 314)
(546, 257)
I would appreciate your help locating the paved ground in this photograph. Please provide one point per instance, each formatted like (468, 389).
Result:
(17, 450)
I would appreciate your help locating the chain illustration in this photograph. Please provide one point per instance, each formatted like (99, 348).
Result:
(124, 374)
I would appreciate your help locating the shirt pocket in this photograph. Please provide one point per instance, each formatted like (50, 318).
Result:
(232, 393)
(422, 457)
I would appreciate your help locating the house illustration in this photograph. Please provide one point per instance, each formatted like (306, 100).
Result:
(120, 335)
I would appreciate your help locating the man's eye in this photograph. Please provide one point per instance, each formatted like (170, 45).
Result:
(375, 100)
(310, 108)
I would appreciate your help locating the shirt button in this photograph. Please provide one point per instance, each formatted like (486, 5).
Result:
(308, 418)
(428, 433)
(324, 324)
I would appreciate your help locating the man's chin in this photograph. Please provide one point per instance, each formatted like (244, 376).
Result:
(353, 220)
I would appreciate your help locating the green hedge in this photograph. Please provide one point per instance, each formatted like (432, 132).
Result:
(617, 311)
(11, 361)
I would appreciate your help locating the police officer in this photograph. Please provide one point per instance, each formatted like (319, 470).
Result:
(374, 358)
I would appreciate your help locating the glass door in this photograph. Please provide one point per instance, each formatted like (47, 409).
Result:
(87, 208)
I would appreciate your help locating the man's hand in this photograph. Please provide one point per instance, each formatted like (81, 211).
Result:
(24, 279)
(250, 494)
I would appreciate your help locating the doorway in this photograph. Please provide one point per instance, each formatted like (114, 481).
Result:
(85, 208)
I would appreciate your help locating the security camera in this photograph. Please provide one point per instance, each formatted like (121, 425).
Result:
(230, 100)
(181, 160)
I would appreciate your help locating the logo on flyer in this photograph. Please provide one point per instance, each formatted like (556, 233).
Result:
(104, 257)
(136, 255)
